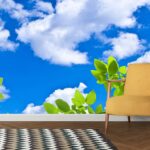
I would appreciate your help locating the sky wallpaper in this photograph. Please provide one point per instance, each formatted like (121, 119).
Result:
(47, 47)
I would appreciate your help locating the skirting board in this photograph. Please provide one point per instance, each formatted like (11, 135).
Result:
(66, 117)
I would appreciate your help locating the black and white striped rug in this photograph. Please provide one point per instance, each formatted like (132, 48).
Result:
(53, 139)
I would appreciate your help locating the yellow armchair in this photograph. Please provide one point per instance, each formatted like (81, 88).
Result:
(136, 98)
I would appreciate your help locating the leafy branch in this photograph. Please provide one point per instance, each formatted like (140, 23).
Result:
(80, 105)
(110, 70)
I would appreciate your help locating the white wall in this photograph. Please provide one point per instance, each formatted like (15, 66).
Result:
(62, 117)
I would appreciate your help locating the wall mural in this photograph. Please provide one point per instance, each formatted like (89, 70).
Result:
(57, 55)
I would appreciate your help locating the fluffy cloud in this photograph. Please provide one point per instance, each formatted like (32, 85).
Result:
(54, 45)
(32, 109)
(66, 94)
(127, 44)
(5, 92)
(17, 10)
(56, 36)
(143, 59)
(45, 7)
(5, 43)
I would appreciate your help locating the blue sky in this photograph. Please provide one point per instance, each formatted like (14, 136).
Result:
(47, 48)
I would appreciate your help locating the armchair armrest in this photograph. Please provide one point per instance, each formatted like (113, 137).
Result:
(120, 80)
(109, 85)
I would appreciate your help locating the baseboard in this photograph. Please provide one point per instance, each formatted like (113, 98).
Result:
(71, 117)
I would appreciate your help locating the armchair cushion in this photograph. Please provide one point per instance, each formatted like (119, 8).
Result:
(128, 105)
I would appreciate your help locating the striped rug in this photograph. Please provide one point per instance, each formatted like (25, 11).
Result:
(53, 139)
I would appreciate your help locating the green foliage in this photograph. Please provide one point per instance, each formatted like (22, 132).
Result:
(91, 98)
(1, 83)
(90, 110)
(78, 98)
(50, 108)
(112, 67)
(100, 66)
(119, 89)
(80, 104)
(123, 70)
(1, 96)
(62, 105)
(99, 109)
(110, 70)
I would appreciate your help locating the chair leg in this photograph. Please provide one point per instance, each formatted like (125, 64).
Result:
(106, 122)
(129, 119)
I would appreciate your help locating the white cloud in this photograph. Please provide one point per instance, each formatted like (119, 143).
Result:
(55, 45)
(45, 7)
(65, 94)
(127, 44)
(32, 109)
(55, 37)
(143, 59)
(5, 92)
(5, 43)
(16, 10)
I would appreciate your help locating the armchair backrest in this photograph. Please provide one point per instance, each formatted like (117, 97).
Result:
(138, 80)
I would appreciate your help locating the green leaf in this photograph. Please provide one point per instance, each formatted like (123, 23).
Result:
(115, 84)
(98, 82)
(62, 105)
(91, 98)
(50, 108)
(123, 69)
(116, 92)
(77, 111)
(102, 79)
(71, 112)
(90, 110)
(106, 86)
(78, 98)
(1, 81)
(119, 90)
(96, 74)
(82, 109)
(110, 59)
(73, 107)
(99, 76)
(114, 76)
(99, 109)
(100, 66)
(1, 96)
(112, 66)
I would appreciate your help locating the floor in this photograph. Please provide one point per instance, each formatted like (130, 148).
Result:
(133, 136)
